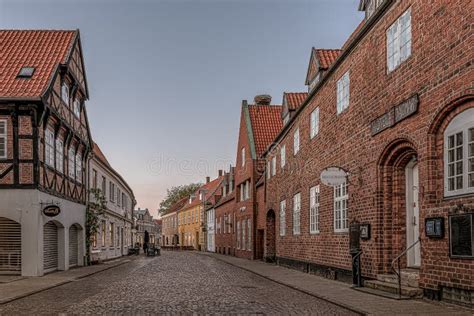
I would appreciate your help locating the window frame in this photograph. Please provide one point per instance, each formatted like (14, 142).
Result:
(4, 138)
(342, 199)
(49, 148)
(79, 167)
(274, 166)
(282, 156)
(71, 166)
(297, 214)
(242, 153)
(314, 202)
(65, 87)
(394, 46)
(314, 123)
(343, 93)
(76, 108)
(296, 141)
(282, 218)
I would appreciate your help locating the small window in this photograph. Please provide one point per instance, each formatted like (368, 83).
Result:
(79, 167)
(26, 72)
(296, 214)
(343, 93)
(59, 155)
(282, 156)
(274, 165)
(461, 235)
(104, 186)
(282, 218)
(314, 210)
(314, 82)
(71, 161)
(341, 197)
(3, 139)
(314, 123)
(49, 147)
(286, 119)
(65, 93)
(296, 141)
(243, 156)
(269, 169)
(77, 108)
(399, 41)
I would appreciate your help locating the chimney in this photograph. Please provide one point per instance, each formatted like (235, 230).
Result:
(208, 179)
(220, 172)
(263, 99)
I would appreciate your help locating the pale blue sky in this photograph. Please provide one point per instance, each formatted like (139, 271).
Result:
(167, 78)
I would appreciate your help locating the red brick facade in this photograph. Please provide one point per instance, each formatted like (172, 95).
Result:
(439, 71)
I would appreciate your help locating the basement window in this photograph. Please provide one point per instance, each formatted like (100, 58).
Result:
(26, 72)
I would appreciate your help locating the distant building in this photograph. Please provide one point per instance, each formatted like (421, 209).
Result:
(170, 236)
(114, 236)
(144, 222)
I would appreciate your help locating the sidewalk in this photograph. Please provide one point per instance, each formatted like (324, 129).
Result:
(341, 293)
(15, 287)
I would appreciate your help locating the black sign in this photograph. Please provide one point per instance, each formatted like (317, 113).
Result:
(51, 210)
(461, 233)
(365, 231)
(394, 115)
(434, 227)
(354, 237)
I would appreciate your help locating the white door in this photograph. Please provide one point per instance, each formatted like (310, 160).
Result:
(413, 215)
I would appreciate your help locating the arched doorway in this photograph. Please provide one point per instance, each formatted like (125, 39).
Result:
(10, 246)
(399, 203)
(74, 242)
(270, 246)
(50, 247)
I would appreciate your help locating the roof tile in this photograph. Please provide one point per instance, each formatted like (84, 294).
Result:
(266, 124)
(327, 56)
(294, 99)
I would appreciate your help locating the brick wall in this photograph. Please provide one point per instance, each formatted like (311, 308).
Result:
(439, 70)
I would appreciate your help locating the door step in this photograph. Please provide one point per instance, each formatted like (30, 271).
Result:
(408, 291)
(380, 293)
(409, 278)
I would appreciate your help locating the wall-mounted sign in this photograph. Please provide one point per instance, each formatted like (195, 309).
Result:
(51, 210)
(461, 235)
(333, 176)
(396, 114)
(434, 227)
(365, 231)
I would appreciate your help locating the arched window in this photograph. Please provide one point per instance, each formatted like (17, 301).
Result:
(459, 155)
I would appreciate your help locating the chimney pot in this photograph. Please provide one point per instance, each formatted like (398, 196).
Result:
(263, 99)
(208, 179)
(220, 173)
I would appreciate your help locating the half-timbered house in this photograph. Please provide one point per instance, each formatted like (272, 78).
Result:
(44, 143)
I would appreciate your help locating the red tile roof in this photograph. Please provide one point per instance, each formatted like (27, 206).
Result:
(44, 50)
(266, 124)
(294, 99)
(100, 155)
(177, 206)
(211, 189)
(327, 56)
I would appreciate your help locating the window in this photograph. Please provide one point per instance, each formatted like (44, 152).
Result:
(59, 155)
(371, 7)
(399, 41)
(296, 141)
(244, 229)
(274, 165)
(111, 191)
(71, 159)
(243, 156)
(3, 139)
(286, 119)
(296, 213)
(124, 200)
(459, 155)
(245, 190)
(49, 147)
(343, 93)
(26, 72)
(65, 93)
(340, 208)
(94, 179)
(111, 234)
(119, 196)
(249, 234)
(314, 210)
(104, 185)
(283, 218)
(77, 108)
(314, 123)
(282, 156)
(314, 82)
(238, 235)
(103, 233)
(79, 168)
(269, 169)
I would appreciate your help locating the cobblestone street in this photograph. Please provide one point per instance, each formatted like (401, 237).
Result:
(176, 282)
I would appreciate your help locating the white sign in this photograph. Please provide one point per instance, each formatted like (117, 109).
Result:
(333, 176)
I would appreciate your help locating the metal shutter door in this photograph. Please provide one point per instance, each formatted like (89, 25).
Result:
(73, 247)
(50, 247)
(10, 246)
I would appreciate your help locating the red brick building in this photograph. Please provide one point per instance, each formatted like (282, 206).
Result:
(224, 228)
(394, 109)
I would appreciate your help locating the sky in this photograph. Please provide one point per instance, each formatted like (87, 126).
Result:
(167, 77)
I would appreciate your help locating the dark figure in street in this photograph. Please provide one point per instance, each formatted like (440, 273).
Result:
(146, 240)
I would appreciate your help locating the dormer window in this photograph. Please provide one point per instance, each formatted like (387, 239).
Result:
(371, 7)
(314, 82)
(65, 93)
(286, 119)
(77, 108)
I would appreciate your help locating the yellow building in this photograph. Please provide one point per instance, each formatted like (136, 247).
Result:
(191, 215)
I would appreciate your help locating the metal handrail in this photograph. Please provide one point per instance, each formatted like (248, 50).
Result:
(359, 277)
(397, 259)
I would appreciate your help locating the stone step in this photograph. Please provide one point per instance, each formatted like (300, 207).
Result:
(412, 292)
(409, 278)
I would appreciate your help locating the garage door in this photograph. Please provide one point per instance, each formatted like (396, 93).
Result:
(10, 246)
(50, 247)
(73, 247)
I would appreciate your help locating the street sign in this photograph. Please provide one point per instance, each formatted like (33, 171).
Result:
(333, 176)
(51, 210)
